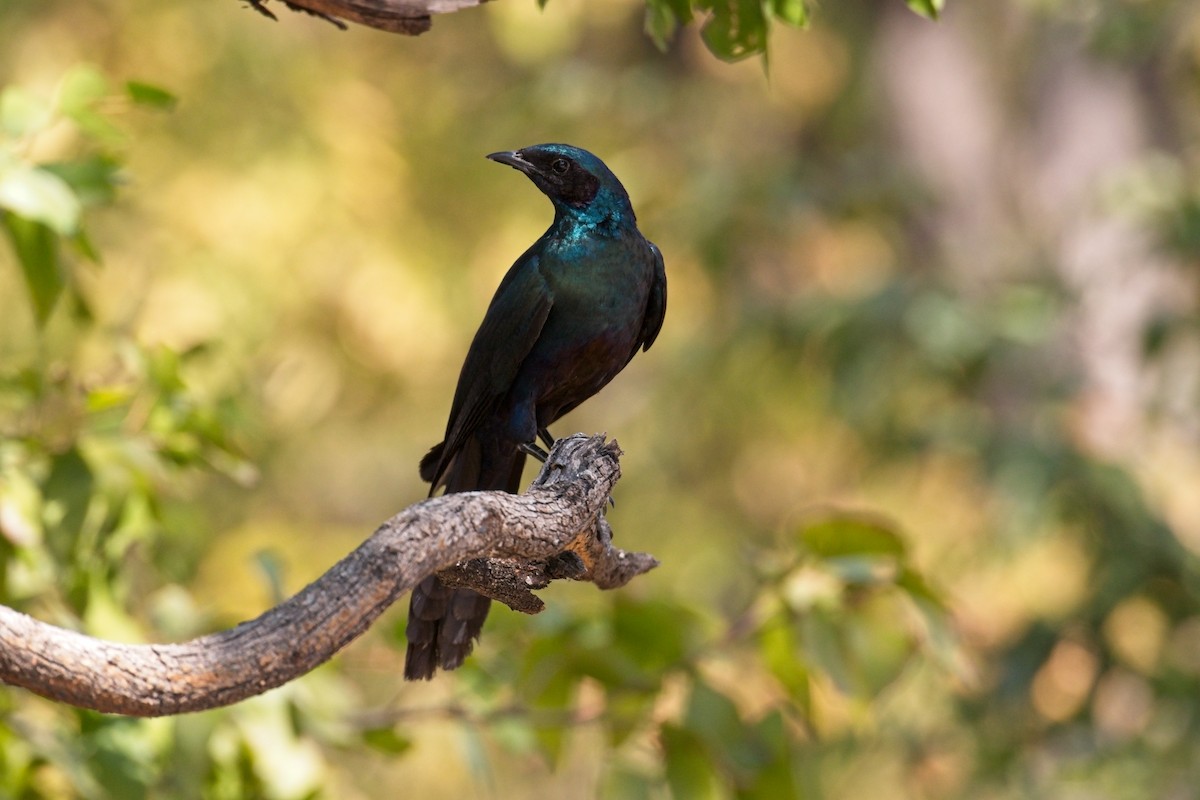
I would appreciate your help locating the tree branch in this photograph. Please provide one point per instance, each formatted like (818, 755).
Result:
(410, 17)
(499, 544)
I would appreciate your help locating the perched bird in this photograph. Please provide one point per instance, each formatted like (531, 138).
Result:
(567, 317)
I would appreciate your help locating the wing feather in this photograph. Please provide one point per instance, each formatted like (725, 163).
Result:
(510, 328)
(656, 303)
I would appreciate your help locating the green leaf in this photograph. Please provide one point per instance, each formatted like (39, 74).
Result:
(94, 179)
(151, 96)
(386, 740)
(919, 589)
(23, 114)
(821, 640)
(79, 93)
(70, 486)
(39, 195)
(655, 634)
(682, 9)
(37, 251)
(626, 713)
(929, 9)
(555, 696)
(777, 777)
(622, 783)
(849, 535)
(793, 12)
(660, 24)
(98, 126)
(715, 720)
(781, 654)
(690, 773)
(737, 29)
(81, 88)
(104, 615)
(103, 398)
(862, 570)
(20, 509)
(83, 245)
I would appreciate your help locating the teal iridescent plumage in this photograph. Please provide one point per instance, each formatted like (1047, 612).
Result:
(566, 318)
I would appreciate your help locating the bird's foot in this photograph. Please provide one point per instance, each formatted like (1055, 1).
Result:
(530, 448)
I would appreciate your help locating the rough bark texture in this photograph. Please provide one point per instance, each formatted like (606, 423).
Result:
(498, 544)
(410, 17)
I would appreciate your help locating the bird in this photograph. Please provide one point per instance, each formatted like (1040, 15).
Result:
(568, 316)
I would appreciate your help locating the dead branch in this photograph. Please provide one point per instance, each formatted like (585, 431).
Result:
(410, 17)
(498, 544)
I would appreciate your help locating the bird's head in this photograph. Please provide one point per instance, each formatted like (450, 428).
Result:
(578, 183)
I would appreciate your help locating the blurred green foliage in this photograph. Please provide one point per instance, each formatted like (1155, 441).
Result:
(917, 446)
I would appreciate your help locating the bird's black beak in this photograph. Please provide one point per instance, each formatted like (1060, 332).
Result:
(513, 159)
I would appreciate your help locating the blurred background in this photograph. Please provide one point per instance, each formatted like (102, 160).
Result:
(917, 446)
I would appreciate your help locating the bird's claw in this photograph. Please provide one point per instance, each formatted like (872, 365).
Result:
(531, 449)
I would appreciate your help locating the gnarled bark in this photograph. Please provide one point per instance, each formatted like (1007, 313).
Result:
(410, 17)
(498, 544)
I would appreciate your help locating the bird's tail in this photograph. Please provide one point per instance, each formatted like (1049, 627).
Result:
(443, 623)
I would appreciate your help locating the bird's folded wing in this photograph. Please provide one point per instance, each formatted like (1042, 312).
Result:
(510, 328)
(656, 303)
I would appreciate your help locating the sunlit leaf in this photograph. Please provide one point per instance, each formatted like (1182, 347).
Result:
(20, 509)
(104, 615)
(39, 195)
(736, 29)
(660, 24)
(23, 113)
(862, 570)
(137, 522)
(80, 89)
(79, 94)
(793, 12)
(926, 8)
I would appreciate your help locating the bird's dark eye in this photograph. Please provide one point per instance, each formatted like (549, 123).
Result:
(560, 165)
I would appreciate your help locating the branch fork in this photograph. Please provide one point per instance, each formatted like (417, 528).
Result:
(501, 545)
